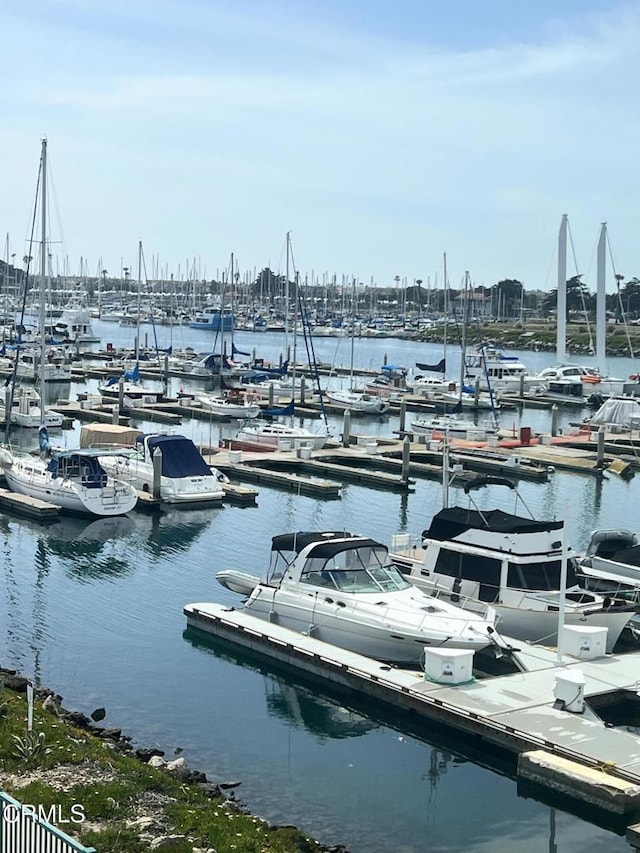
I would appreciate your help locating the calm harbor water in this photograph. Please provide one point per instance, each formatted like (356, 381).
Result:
(93, 609)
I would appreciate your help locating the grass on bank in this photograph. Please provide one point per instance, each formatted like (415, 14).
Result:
(71, 766)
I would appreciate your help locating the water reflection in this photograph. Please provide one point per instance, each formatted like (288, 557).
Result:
(89, 546)
(320, 716)
(173, 531)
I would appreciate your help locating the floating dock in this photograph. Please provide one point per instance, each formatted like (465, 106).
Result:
(28, 506)
(576, 754)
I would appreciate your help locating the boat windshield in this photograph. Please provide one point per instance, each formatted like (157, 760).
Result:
(363, 569)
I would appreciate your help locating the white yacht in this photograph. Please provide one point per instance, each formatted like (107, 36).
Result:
(280, 435)
(500, 373)
(56, 365)
(453, 426)
(341, 588)
(611, 563)
(577, 380)
(185, 477)
(26, 409)
(490, 560)
(75, 323)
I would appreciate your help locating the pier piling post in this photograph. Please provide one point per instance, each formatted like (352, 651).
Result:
(403, 415)
(115, 415)
(521, 385)
(476, 391)
(346, 428)
(406, 459)
(302, 390)
(165, 376)
(554, 419)
(121, 393)
(271, 395)
(157, 472)
(600, 448)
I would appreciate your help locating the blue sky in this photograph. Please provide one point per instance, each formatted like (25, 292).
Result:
(381, 134)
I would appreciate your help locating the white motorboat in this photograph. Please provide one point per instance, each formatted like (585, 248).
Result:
(611, 563)
(452, 426)
(75, 323)
(358, 401)
(26, 409)
(497, 372)
(229, 405)
(490, 560)
(277, 434)
(54, 368)
(577, 380)
(342, 589)
(185, 477)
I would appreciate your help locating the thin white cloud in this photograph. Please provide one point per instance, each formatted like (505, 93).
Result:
(371, 148)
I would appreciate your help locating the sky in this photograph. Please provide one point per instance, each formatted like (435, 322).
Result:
(381, 134)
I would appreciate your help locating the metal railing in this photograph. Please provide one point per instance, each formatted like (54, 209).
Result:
(25, 829)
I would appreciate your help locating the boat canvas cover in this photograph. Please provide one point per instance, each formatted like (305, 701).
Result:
(629, 556)
(451, 522)
(440, 367)
(622, 412)
(298, 541)
(108, 435)
(180, 456)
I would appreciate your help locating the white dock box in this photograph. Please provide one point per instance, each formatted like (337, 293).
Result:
(448, 666)
(569, 689)
(585, 642)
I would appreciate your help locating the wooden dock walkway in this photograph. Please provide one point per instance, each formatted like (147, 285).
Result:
(518, 712)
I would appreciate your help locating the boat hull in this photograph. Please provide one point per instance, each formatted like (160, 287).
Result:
(174, 490)
(533, 625)
(380, 635)
(34, 481)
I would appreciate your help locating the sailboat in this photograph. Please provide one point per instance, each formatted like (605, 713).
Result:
(350, 398)
(276, 433)
(72, 479)
(129, 383)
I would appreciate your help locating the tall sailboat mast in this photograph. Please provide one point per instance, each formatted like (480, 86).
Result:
(138, 309)
(446, 312)
(43, 278)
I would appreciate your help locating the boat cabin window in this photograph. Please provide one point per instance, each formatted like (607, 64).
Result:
(363, 569)
(471, 567)
(540, 576)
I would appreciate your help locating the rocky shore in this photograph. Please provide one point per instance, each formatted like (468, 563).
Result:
(130, 799)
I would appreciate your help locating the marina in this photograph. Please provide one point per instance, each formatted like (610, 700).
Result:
(139, 556)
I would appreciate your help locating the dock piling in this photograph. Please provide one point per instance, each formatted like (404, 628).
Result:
(403, 415)
(346, 428)
(157, 472)
(406, 458)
